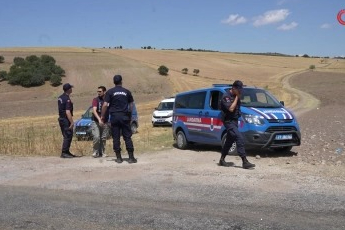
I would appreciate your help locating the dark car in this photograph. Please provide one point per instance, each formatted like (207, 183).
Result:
(82, 126)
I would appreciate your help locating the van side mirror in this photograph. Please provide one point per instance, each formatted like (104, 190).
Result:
(282, 102)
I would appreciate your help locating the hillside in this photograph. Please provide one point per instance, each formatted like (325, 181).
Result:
(88, 68)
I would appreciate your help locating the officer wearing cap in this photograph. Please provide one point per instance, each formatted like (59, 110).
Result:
(230, 106)
(120, 103)
(65, 107)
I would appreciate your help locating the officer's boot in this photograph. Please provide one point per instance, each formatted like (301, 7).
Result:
(69, 153)
(222, 161)
(246, 164)
(131, 158)
(65, 154)
(118, 158)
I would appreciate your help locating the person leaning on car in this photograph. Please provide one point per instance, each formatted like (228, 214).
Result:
(119, 101)
(65, 107)
(230, 107)
(99, 132)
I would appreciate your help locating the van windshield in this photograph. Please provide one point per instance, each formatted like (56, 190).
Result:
(259, 98)
(165, 106)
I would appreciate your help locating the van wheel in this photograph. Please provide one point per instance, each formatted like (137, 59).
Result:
(233, 148)
(181, 140)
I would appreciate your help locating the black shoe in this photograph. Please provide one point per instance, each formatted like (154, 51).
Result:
(66, 155)
(118, 160)
(225, 164)
(132, 160)
(247, 165)
(69, 153)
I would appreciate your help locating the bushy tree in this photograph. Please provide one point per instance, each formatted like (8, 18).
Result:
(3, 75)
(34, 71)
(196, 72)
(2, 59)
(19, 61)
(163, 70)
(185, 70)
(55, 80)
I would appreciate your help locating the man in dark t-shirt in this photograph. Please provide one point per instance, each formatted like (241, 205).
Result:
(119, 101)
(99, 132)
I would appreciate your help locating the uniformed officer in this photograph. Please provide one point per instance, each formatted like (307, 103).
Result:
(99, 132)
(230, 106)
(120, 103)
(66, 123)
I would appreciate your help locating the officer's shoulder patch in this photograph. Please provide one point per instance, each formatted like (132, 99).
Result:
(227, 99)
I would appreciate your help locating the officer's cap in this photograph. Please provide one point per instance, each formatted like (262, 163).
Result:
(67, 86)
(238, 84)
(117, 79)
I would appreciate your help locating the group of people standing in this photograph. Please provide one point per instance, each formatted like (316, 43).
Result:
(116, 104)
(113, 106)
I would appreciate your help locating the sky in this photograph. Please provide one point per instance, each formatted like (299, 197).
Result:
(293, 27)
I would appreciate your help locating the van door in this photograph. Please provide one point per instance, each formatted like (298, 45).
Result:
(190, 112)
(212, 117)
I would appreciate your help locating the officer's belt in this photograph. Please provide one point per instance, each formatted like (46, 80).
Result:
(119, 114)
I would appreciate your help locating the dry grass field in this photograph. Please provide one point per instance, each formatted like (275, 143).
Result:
(28, 123)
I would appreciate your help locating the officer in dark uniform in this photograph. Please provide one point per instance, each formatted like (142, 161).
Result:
(66, 123)
(230, 106)
(120, 103)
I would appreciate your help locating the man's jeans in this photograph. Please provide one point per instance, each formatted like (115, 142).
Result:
(99, 134)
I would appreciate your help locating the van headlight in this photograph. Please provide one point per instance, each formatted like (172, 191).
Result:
(253, 119)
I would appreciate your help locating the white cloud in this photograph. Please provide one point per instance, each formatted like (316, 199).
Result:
(271, 17)
(290, 26)
(281, 2)
(234, 19)
(325, 26)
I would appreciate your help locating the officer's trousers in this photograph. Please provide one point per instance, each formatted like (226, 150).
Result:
(121, 124)
(233, 135)
(67, 134)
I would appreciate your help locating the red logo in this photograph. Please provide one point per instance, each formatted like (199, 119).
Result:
(340, 20)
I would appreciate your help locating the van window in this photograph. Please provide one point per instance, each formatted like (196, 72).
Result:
(215, 99)
(191, 101)
(258, 98)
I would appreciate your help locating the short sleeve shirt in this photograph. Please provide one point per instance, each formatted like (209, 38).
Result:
(119, 99)
(226, 102)
(98, 103)
(64, 103)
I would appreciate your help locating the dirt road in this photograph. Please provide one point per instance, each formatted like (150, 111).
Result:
(176, 189)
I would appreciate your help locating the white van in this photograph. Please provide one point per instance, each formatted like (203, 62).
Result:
(163, 113)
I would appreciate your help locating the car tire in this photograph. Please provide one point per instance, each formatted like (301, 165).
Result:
(181, 140)
(134, 127)
(233, 149)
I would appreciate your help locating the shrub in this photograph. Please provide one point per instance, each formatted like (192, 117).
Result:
(312, 67)
(2, 59)
(163, 70)
(196, 71)
(3, 75)
(34, 71)
(55, 80)
(184, 70)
